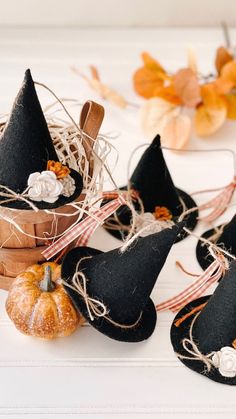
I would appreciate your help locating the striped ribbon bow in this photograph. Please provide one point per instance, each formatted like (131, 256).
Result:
(219, 203)
(211, 275)
(85, 228)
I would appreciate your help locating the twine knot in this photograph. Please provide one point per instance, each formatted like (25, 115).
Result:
(192, 349)
(94, 307)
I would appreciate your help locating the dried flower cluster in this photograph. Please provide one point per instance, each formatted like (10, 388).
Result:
(172, 97)
(178, 102)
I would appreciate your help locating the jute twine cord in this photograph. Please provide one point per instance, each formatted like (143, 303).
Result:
(12, 196)
(95, 308)
(214, 247)
(212, 150)
(191, 347)
(217, 233)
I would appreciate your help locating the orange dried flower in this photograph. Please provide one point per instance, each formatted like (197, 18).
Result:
(162, 214)
(58, 168)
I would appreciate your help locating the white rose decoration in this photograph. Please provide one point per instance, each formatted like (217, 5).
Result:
(225, 361)
(44, 186)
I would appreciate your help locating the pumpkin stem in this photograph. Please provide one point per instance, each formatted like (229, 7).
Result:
(46, 284)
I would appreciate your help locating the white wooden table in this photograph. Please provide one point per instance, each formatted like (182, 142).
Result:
(89, 375)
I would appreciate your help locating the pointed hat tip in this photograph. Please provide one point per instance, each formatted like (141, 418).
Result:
(156, 141)
(28, 76)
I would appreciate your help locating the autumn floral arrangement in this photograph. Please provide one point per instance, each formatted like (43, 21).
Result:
(177, 102)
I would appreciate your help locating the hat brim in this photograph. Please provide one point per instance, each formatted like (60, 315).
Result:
(142, 331)
(202, 250)
(178, 333)
(62, 200)
(191, 220)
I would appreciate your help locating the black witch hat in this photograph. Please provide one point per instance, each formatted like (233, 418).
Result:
(226, 239)
(25, 149)
(209, 325)
(122, 282)
(153, 183)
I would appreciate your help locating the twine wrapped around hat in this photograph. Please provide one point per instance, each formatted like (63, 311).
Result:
(95, 308)
(191, 347)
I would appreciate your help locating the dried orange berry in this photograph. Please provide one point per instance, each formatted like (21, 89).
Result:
(58, 168)
(162, 214)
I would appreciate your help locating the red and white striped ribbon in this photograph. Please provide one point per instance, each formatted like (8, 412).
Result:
(211, 275)
(85, 228)
(219, 203)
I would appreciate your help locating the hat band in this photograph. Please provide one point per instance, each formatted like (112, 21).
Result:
(223, 360)
(9, 195)
(94, 307)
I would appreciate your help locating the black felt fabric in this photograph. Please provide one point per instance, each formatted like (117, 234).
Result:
(124, 215)
(123, 282)
(26, 146)
(214, 328)
(227, 240)
(152, 180)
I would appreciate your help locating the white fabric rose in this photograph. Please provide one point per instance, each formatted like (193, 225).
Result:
(151, 225)
(225, 361)
(68, 184)
(44, 186)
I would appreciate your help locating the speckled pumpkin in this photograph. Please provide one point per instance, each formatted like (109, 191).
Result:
(38, 305)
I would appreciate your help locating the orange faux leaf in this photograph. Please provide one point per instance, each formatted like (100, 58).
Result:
(154, 115)
(208, 120)
(149, 78)
(102, 89)
(223, 56)
(223, 86)
(211, 97)
(147, 81)
(177, 131)
(168, 93)
(212, 112)
(228, 74)
(151, 63)
(94, 72)
(231, 106)
(187, 87)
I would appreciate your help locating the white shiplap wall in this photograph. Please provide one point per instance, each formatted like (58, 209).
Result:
(111, 13)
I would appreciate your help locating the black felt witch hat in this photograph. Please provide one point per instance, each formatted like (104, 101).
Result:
(213, 332)
(26, 147)
(152, 181)
(123, 282)
(226, 240)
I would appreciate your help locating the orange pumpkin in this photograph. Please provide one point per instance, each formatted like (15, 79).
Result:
(38, 305)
